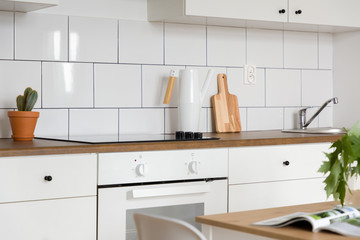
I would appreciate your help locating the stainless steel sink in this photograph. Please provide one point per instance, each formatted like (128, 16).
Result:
(316, 130)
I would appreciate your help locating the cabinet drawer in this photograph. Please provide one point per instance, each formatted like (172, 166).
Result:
(22, 178)
(244, 197)
(273, 163)
(58, 219)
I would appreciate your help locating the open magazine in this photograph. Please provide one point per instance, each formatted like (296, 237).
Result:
(342, 220)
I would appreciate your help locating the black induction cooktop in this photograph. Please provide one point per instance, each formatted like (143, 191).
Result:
(125, 138)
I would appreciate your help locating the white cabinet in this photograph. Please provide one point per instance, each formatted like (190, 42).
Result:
(26, 5)
(48, 197)
(273, 176)
(58, 219)
(312, 15)
(325, 12)
(173, 10)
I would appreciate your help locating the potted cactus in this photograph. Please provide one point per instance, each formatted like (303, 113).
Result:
(23, 121)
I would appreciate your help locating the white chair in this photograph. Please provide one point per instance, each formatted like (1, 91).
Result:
(151, 227)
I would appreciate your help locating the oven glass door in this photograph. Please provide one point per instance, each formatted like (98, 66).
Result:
(178, 200)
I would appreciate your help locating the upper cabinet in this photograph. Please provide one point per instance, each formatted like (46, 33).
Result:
(312, 15)
(325, 12)
(26, 5)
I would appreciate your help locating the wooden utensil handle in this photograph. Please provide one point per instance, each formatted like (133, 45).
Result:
(222, 83)
(169, 90)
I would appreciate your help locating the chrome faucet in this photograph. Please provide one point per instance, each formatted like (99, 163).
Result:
(302, 113)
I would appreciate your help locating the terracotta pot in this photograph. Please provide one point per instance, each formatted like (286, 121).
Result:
(23, 124)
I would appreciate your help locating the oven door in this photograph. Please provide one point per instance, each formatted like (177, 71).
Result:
(178, 200)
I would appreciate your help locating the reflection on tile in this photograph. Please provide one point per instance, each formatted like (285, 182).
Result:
(300, 50)
(41, 37)
(5, 128)
(145, 121)
(93, 122)
(92, 39)
(225, 46)
(17, 76)
(185, 44)
(141, 42)
(291, 118)
(283, 87)
(326, 117)
(7, 35)
(325, 51)
(67, 85)
(117, 85)
(52, 123)
(316, 87)
(264, 118)
(265, 48)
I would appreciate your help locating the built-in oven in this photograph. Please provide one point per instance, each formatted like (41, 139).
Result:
(177, 183)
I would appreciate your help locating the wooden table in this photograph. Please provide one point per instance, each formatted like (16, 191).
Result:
(240, 222)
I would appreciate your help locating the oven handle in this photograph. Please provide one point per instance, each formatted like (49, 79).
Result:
(159, 192)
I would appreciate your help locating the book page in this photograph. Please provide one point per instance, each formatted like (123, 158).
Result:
(350, 227)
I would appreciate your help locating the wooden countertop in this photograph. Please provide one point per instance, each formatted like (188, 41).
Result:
(241, 221)
(251, 138)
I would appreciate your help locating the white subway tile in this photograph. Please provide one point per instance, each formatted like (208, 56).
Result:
(283, 87)
(171, 120)
(326, 117)
(265, 48)
(213, 89)
(291, 119)
(248, 95)
(225, 46)
(41, 37)
(16, 76)
(316, 87)
(141, 121)
(325, 51)
(141, 42)
(154, 83)
(67, 85)
(117, 85)
(185, 44)
(243, 117)
(92, 39)
(52, 123)
(93, 122)
(5, 128)
(264, 119)
(7, 35)
(300, 50)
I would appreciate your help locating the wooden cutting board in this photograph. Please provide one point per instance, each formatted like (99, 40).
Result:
(226, 108)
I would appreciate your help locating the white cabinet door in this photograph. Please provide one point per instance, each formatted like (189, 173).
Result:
(61, 219)
(71, 175)
(245, 197)
(275, 163)
(265, 10)
(325, 12)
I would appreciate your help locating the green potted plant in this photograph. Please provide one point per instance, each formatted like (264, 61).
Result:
(23, 121)
(342, 164)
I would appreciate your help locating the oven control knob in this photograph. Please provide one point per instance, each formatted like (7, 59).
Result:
(141, 170)
(193, 167)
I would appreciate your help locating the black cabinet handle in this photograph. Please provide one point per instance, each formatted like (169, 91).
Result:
(48, 178)
(298, 12)
(286, 163)
(282, 11)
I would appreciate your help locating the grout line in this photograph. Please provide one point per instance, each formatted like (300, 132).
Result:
(118, 41)
(93, 80)
(14, 35)
(118, 125)
(68, 123)
(68, 39)
(164, 40)
(206, 46)
(41, 86)
(141, 87)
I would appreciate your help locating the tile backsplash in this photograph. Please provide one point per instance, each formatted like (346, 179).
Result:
(109, 76)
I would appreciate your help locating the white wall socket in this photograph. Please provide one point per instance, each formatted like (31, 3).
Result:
(250, 74)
